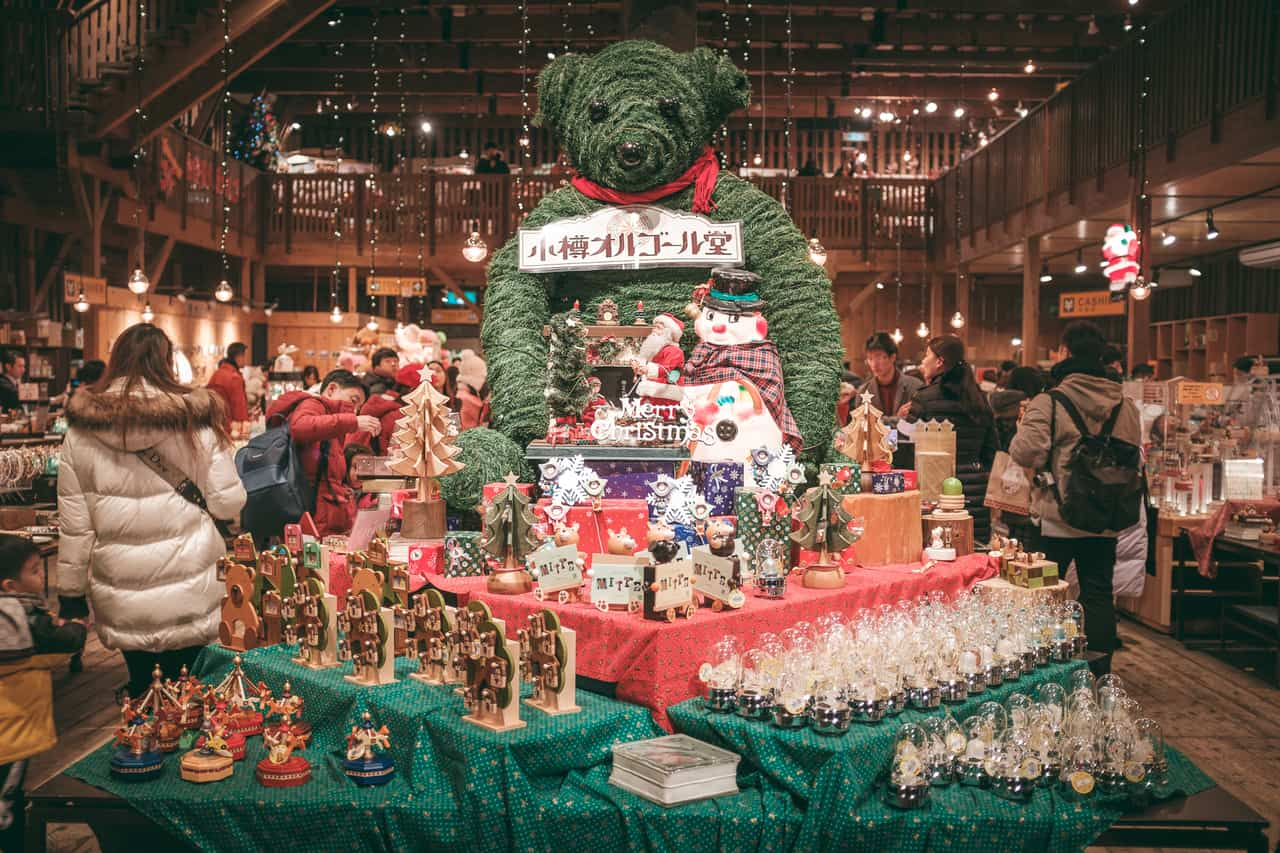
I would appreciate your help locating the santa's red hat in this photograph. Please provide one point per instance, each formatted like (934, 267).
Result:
(670, 320)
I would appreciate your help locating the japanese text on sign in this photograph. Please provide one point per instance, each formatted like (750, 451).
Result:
(631, 237)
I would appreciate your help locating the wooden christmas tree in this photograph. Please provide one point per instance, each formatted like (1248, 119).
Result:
(865, 439)
(824, 527)
(422, 447)
(509, 536)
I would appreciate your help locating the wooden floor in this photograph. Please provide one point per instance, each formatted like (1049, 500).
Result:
(1226, 720)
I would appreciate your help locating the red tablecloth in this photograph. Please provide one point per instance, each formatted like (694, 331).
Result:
(1202, 537)
(655, 664)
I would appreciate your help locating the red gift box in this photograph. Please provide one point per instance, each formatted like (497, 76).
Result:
(909, 481)
(339, 577)
(492, 490)
(426, 558)
(616, 514)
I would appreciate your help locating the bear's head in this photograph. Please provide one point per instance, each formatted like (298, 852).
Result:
(637, 114)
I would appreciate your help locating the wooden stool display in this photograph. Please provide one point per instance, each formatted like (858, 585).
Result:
(547, 660)
(433, 625)
(368, 631)
(492, 692)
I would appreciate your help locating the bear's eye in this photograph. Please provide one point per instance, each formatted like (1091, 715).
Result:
(669, 107)
(599, 111)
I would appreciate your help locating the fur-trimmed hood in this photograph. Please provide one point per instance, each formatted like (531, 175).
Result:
(141, 418)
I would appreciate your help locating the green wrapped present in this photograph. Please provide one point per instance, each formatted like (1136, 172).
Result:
(846, 477)
(758, 520)
(463, 556)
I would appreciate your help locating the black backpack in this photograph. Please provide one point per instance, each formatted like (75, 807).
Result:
(275, 481)
(1104, 489)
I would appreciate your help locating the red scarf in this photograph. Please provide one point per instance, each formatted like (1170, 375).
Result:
(702, 174)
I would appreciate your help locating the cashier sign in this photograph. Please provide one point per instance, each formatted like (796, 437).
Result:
(630, 237)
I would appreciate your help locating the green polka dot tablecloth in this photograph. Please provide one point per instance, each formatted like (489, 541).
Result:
(545, 787)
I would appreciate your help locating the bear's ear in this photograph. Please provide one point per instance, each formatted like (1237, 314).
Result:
(555, 84)
(727, 88)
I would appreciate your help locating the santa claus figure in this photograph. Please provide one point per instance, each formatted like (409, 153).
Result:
(1121, 250)
(660, 362)
(733, 345)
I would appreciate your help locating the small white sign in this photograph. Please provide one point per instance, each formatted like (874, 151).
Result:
(713, 577)
(556, 568)
(630, 238)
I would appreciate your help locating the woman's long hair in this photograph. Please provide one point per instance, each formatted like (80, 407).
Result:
(143, 355)
(949, 349)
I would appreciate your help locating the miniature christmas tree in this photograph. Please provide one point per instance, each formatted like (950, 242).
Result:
(509, 536)
(422, 446)
(567, 390)
(258, 143)
(865, 439)
(825, 528)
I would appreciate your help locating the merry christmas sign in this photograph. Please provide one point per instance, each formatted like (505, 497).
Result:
(630, 238)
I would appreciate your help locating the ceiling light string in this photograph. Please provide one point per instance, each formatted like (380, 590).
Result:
(339, 81)
(1140, 290)
(566, 25)
(404, 137)
(897, 294)
(223, 292)
(788, 165)
(138, 281)
(746, 64)
(958, 319)
(525, 140)
(420, 211)
(372, 182)
(723, 132)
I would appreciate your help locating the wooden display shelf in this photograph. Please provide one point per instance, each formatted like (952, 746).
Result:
(1203, 347)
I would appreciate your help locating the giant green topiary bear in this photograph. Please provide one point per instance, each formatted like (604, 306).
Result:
(636, 116)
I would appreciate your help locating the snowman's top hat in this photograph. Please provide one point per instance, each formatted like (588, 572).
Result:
(734, 291)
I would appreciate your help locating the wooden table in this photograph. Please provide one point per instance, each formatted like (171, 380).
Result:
(1154, 608)
(1212, 819)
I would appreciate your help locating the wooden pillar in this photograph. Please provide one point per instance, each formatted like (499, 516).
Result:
(259, 290)
(351, 288)
(964, 288)
(937, 326)
(1138, 332)
(28, 291)
(243, 287)
(1031, 300)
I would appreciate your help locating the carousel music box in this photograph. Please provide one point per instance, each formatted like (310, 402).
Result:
(369, 760)
(212, 760)
(136, 758)
(243, 701)
(283, 767)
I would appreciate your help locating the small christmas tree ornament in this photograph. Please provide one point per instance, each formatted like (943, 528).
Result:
(865, 439)
(369, 760)
(509, 535)
(827, 528)
(422, 446)
(567, 390)
(136, 758)
(212, 760)
(283, 767)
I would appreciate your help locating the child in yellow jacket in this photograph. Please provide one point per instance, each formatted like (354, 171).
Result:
(27, 629)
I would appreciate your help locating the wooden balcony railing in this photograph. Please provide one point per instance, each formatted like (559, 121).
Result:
(187, 180)
(1203, 59)
(303, 210)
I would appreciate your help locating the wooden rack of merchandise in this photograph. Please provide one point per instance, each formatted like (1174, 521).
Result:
(1202, 348)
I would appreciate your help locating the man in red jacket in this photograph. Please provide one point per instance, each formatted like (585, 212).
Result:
(386, 408)
(320, 424)
(229, 383)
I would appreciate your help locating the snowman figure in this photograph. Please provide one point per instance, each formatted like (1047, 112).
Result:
(1120, 248)
(733, 350)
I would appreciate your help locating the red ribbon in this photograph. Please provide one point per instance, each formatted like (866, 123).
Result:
(702, 175)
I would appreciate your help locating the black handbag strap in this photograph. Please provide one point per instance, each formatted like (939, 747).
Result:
(181, 483)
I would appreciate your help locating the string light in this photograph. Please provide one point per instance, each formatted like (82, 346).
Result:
(1210, 230)
(371, 182)
(931, 107)
(339, 80)
(335, 315)
(957, 321)
(223, 292)
(82, 304)
(746, 63)
(993, 95)
(1016, 341)
(959, 111)
(138, 282)
(400, 163)
(1030, 67)
(788, 165)
(525, 152)
(147, 314)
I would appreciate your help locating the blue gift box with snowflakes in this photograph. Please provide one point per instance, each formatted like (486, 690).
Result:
(716, 482)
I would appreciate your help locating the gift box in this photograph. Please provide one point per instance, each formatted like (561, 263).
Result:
(593, 527)
(463, 556)
(426, 558)
(910, 479)
(1033, 572)
(491, 490)
(889, 483)
(716, 483)
(756, 522)
(846, 477)
(687, 535)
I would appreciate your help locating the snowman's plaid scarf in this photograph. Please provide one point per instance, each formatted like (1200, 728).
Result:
(758, 362)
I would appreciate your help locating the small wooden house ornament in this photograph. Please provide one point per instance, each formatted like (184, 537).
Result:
(492, 692)
(548, 662)
(432, 643)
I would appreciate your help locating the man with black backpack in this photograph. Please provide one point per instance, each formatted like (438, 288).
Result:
(1083, 439)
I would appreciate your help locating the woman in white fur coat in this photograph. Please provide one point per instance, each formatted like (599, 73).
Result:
(143, 554)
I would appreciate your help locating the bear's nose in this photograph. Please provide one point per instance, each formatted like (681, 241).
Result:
(630, 153)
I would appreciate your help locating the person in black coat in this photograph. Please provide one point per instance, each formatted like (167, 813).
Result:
(952, 394)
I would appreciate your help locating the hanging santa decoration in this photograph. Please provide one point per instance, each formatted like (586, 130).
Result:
(1121, 249)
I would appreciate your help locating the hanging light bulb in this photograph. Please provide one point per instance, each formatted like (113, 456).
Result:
(1210, 230)
(1030, 67)
(335, 316)
(879, 285)
(1128, 22)
(182, 295)
(1094, 29)
(897, 336)
(372, 325)
(224, 291)
(270, 309)
(138, 281)
(425, 126)
(958, 112)
(1021, 110)
(957, 320)
(1080, 265)
(993, 95)
(886, 115)
(523, 141)
(1017, 342)
(1168, 238)
(147, 314)
(757, 160)
(922, 330)
(1140, 291)
(862, 156)
(246, 307)
(865, 112)
(475, 249)
(931, 107)
(906, 156)
(1045, 275)
(82, 304)
(817, 252)
(1194, 272)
